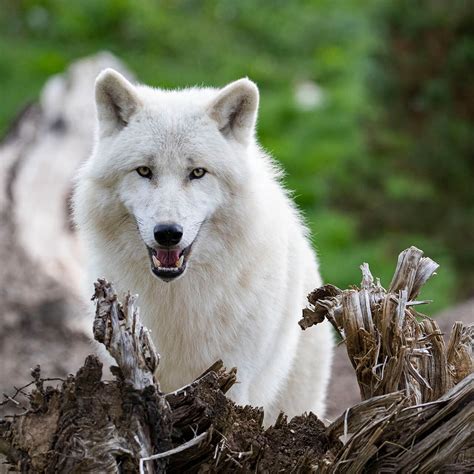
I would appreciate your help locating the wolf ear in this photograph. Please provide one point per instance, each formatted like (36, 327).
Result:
(116, 101)
(235, 109)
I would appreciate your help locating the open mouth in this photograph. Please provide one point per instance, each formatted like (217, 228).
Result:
(168, 264)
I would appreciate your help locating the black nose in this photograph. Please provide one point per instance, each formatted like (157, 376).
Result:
(168, 234)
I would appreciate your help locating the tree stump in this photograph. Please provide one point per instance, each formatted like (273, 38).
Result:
(417, 413)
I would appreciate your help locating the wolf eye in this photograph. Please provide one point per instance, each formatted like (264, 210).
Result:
(197, 173)
(144, 172)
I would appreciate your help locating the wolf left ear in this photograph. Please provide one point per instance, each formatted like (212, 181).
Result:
(116, 101)
(235, 109)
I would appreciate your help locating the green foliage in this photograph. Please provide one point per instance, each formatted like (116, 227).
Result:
(279, 44)
(419, 172)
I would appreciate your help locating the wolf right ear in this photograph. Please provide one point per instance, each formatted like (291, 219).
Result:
(116, 101)
(235, 109)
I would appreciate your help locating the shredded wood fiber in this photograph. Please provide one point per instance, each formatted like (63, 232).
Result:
(402, 363)
(417, 412)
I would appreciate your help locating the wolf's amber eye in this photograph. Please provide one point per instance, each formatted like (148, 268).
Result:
(197, 173)
(144, 172)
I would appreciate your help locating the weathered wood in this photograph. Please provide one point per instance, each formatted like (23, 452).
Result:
(385, 434)
(128, 425)
(389, 348)
(404, 368)
(89, 425)
(42, 264)
(121, 331)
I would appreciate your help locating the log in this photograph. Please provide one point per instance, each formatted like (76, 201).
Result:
(91, 425)
(43, 319)
(129, 425)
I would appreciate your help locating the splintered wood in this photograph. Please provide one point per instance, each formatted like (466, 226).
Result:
(417, 413)
(414, 417)
(120, 329)
(387, 344)
(386, 434)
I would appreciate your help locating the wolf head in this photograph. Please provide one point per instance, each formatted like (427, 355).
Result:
(166, 165)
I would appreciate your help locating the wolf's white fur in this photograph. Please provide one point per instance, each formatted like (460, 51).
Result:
(251, 265)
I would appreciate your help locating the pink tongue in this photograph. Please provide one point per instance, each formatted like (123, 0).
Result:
(168, 258)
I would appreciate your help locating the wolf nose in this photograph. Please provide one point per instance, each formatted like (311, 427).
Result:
(168, 234)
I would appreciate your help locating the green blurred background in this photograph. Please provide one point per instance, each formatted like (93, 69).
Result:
(367, 104)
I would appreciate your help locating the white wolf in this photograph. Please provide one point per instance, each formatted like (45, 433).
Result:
(179, 204)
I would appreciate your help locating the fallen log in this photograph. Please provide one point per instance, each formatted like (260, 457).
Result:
(42, 264)
(417, 412)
